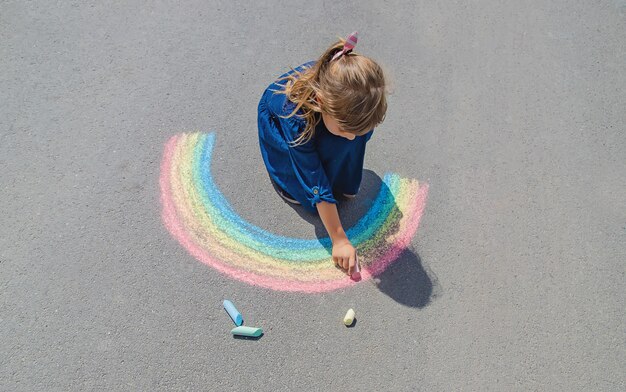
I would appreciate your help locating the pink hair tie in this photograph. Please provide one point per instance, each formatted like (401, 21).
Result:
(348, 46)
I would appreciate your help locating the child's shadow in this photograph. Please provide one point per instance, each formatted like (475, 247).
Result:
(405, 280)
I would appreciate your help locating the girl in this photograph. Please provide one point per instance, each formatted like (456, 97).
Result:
(314, 123)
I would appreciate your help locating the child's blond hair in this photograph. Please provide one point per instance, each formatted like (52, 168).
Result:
(351, 90)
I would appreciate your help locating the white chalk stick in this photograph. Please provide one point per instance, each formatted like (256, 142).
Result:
(349, 318)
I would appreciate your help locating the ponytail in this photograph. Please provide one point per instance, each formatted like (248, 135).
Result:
(352, 89)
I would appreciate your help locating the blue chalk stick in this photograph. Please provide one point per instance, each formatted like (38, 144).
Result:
(233, 312)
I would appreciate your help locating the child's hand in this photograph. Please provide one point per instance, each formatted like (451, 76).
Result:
(344, 255)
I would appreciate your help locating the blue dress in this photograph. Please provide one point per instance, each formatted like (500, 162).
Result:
(319, 170)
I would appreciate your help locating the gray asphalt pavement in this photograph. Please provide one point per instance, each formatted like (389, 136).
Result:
(511, 111)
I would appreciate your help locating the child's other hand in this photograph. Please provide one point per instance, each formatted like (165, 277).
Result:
(344, 255)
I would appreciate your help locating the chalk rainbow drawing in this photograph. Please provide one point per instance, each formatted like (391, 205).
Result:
(200, 218)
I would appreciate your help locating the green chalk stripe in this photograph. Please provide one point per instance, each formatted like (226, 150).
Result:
(247, 331)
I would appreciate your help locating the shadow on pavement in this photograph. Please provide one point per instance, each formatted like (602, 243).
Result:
(406, 281)
(253, 338)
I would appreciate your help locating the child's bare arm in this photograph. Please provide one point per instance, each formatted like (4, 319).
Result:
(344, 254)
